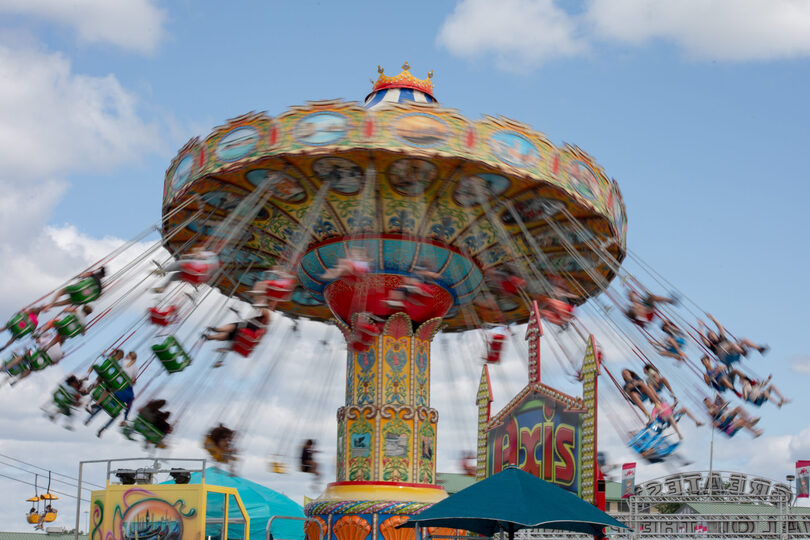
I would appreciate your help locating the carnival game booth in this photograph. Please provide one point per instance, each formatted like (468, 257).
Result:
(542, 431)
(197, 503)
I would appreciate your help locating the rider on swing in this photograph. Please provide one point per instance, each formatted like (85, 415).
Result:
(355, 264)
(219, 443)
(642, 308)
(95, 275)
(308, 463)
(726, 349)
(277, 289)
(29, 320)
(198, 264)
(229, 331)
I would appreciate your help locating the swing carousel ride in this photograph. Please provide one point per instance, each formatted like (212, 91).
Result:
(392, 220)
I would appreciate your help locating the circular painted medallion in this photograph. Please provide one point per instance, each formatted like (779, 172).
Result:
(412, 176)
(206, 229)
(221, 200)
(237, 143)
(240, 257)
(422, 130)
(181, 173)
(281, 185)
(549, 238)
(493, 185)
(321, 128)
(226, 201)
(567, 263)
(582, 179)
(534, 209)
(514, 149)
(346, 176)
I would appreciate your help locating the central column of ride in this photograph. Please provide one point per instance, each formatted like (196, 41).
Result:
(387, 430)
(386, 442)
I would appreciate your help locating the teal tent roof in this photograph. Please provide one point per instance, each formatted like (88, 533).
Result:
(513, 500)
(261, 503)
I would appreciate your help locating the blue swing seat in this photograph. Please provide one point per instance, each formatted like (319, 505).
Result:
(652, 444)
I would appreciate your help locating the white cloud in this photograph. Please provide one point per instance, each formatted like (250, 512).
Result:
(129, 24)
(713, 30)
(801, 364)
(530, 32)
(799, 445)
(53, 120)
(519, 33)
(49, 258)
(22, 207)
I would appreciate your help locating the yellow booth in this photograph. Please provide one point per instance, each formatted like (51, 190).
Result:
(133, 507)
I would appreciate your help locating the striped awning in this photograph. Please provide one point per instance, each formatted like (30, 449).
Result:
(380, 98)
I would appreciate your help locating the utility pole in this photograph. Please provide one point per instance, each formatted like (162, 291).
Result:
(711, 462)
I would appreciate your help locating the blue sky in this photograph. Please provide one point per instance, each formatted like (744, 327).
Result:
(700, 113)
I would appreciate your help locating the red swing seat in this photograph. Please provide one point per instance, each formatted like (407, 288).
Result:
(367, 332)
(197, 272)
(246, 340)
(363, 336)
(512, 284)
(494, 348)
(163, 317)
(358, 346)
(279, 290)
(357, 271)
(556, 311)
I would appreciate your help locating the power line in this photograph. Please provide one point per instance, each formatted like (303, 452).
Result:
(49, 471)
(32, 484)
(71, 484)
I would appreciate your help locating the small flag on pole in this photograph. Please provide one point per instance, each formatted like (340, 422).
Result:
(628, 480)
(803, 478)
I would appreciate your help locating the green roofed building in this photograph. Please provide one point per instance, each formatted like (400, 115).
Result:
(454, 482)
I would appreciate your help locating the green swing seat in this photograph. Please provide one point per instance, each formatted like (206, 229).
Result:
(39, 360)
(63, 397)
(69, 326)
(20, 325)
(112, 375)
(172, 355)
(18, 369)
(84, 291)
(127, 431)
(147, 430)
(110, 404)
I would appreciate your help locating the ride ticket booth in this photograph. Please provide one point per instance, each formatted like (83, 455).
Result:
(134, 507)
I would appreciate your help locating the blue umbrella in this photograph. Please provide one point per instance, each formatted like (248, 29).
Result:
(513, 500)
